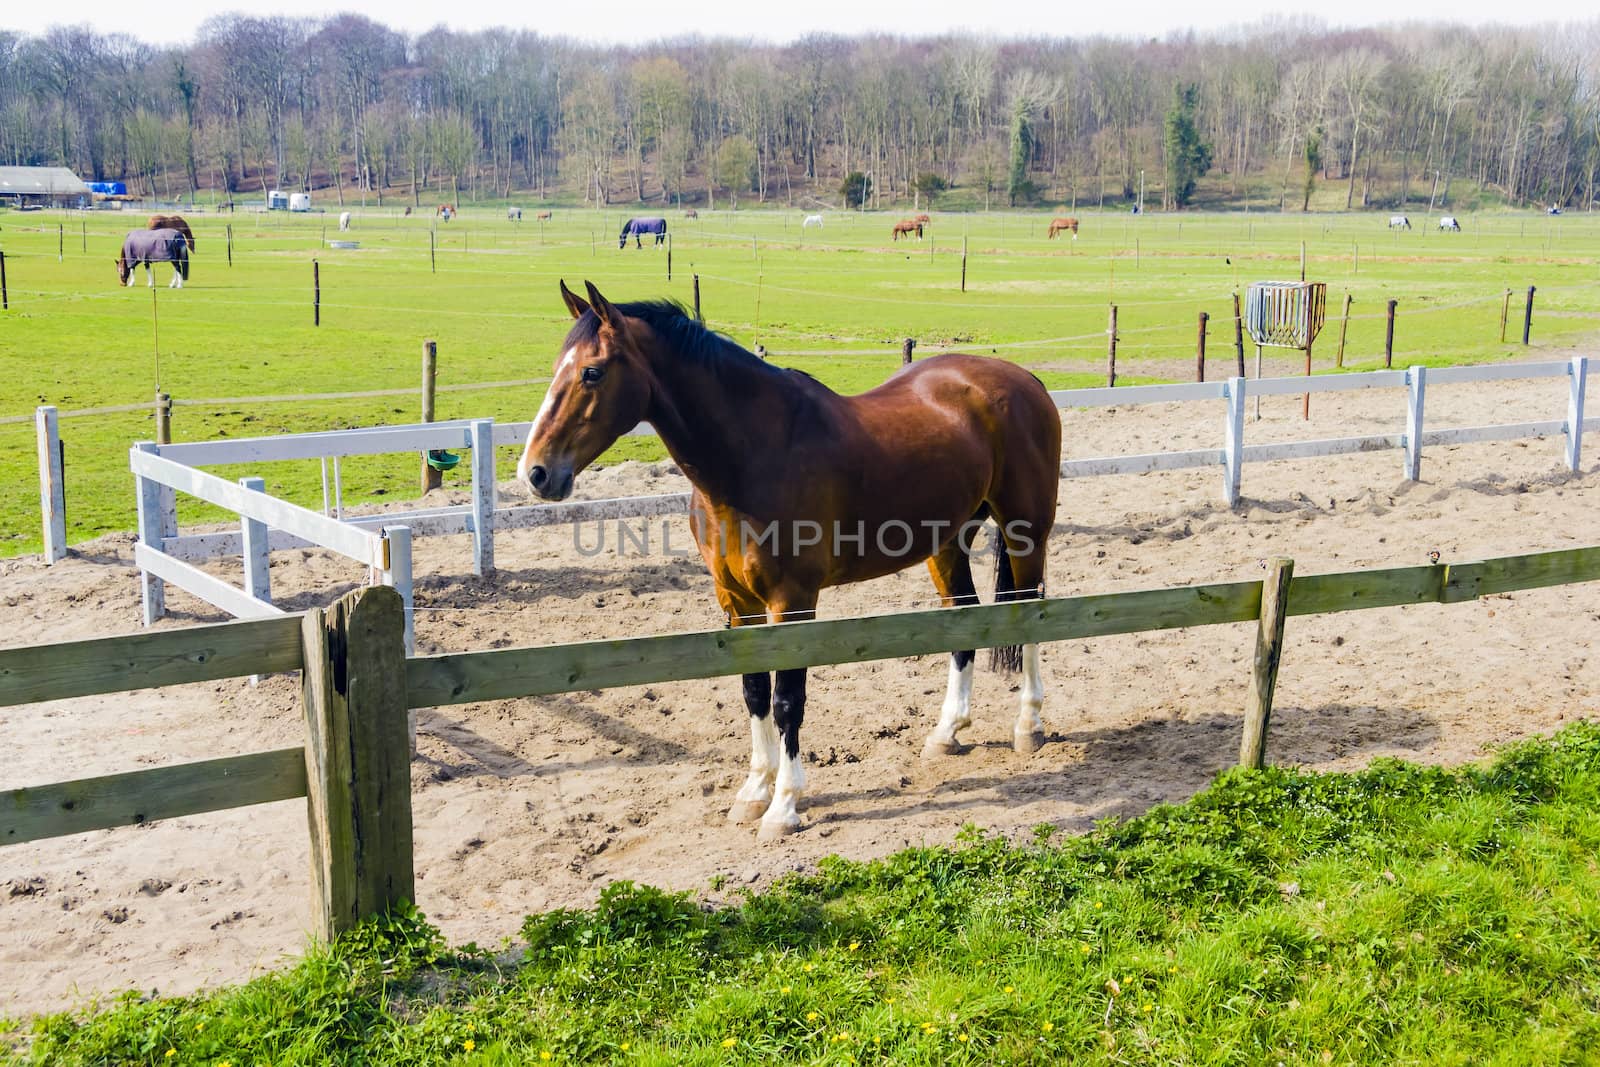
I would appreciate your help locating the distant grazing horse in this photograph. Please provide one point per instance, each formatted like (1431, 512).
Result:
(445, 211)
(172, 222)
(1059, 223)
(642, 227)
(514, 214)
(407, 210)
(154, 246)
(797, 488)
(810, 221)
(1448, 222)
(543, 216)
(906, 227)
(1399, 222)
(690, 213)
(344, 221)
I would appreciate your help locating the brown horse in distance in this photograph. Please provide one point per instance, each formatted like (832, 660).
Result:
(543, 216)
(172, 222)
(690, 213)
(923, 218)
(1060, 223)
(797, 488)
(906, 227)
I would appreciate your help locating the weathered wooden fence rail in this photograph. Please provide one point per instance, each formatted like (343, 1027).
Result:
(359, 688)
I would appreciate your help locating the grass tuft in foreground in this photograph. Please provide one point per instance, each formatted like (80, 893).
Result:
(1402, 914)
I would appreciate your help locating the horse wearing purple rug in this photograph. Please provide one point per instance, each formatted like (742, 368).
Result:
(154, 246)
(637, 228)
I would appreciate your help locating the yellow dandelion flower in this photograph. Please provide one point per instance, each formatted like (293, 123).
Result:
(785, 989)
(1148, 1008)
(889, 1001)
(171, 1052)
(545, 1056)
(811, 1016)
(729, 1042)
(961, 1038)
(1172, 970)
(1048, 1026)
(808, 968)
(1098, 904)
(844, 1035)
(469, 1044)
(1085, 949)
(1011, 989)
(198, 1027)
(854, 945)
(625, 1046)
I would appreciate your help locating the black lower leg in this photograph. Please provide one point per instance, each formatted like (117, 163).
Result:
(789, 708)
(758, 694)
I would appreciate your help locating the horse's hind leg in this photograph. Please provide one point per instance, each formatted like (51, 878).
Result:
(755, 796)
(952, 576)
(1023, 542)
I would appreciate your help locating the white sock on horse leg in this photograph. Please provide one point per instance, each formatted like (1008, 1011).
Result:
(757, 789)
(782, 816)
(956, 711)
(1029, 726)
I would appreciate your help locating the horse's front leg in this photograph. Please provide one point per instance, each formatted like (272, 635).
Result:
(150, 274)
(789, 711)
(755, 796)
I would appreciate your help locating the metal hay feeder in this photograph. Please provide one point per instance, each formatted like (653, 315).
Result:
(1285, 315)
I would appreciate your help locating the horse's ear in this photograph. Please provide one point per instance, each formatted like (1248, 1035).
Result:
(607, 311)
(575, 302)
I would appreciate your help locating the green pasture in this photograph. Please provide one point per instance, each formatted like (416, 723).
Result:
(835, 302)
(1400, 915)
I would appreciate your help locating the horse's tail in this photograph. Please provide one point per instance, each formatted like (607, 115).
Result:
(1006, 658)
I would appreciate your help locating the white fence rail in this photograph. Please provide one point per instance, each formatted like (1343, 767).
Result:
(383, 542)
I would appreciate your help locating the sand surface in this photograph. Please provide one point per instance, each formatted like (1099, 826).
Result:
(525, 805)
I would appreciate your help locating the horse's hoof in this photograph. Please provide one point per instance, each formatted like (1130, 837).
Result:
(1027, 744)
(775, 831)
(933, 748)
(747, 811)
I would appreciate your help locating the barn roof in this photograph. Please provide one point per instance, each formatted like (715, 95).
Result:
(40, 181)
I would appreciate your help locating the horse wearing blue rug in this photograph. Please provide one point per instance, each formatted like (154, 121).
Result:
(154, 246)
(637, 228)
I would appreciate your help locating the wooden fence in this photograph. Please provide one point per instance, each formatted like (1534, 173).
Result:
(358, 689)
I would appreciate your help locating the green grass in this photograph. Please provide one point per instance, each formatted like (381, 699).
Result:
(1401, 914)
(75, 339)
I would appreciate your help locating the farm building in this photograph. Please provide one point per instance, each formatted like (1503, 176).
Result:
(43, 186)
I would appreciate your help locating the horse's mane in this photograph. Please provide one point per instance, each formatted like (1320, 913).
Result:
(688, 339)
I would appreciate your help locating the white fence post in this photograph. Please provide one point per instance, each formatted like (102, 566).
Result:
(253, 547)
(154, 590)
(1578, 370)
(399, 577)
(52, 488)
(1416, 387)
(1233, 441)
(483, 496)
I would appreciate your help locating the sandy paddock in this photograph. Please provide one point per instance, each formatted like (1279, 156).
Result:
(530, 804)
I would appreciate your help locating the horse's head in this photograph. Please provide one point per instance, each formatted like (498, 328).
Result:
(123, 269)
(600, 390)
(622, 242)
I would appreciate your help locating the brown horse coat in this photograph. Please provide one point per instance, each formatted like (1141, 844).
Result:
(172, 222)
(906, 227)
(1060, 223)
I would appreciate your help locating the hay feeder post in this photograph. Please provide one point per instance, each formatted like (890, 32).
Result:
(1285, 315)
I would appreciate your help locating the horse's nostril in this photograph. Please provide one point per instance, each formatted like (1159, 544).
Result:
(538, 477)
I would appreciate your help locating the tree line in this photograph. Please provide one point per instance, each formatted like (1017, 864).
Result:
(1263, 116)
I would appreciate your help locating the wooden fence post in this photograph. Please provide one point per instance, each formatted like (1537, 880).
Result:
(963, 263)
(1527, 317)
(230, 244)
(5, 293)
(52, 489)
(163, 419)
(358, 759)
(1388, 337)
(1264, 670)
(316, 293)
(906, 348)
(1111, 349)
(431, 479)
(1302, 261)
(1200, 349)
(669, 257)
(1505, 313)
(1344, 327)
(697, 316)
(1238, 336)
(433, 251)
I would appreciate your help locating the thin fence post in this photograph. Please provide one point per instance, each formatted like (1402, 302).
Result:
(1416, 389)
(358, 760)
(316, 293)
(5, 293)
(230, 244)
(253, 536)
(963, 263)
(163, 419)
(697, 316)
(52, 488)
(1233, 440)
(1302, 261)
(1264, 668)
(1388, 337)
(152, 589)
(906, 348)
(1344, 327)
(61, 242)
(1238, 336)
(1305, 400)
(1505, 313)
(1200, 349)
(431, 478)
(483, 496)
(397, 575)
(433, 251)
(1577, 371)
(1111, 348)
(1527, 317)
(669, 257)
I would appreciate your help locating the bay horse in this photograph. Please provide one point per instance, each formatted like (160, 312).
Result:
(1060, 223)
(797, 488)
(690, 213)
(906, 227)
(154, 246)
(642, 227)
(543, 216)
(172, 222)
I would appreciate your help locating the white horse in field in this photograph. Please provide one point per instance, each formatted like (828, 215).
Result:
(514, 214)
(810, 221)
(1448, 222)
(1399, 222)
(344, 221)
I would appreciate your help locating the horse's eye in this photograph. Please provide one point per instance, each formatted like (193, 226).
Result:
(593, 374)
